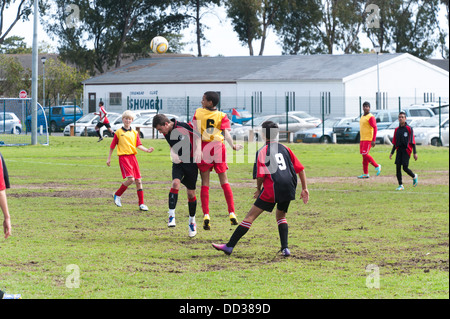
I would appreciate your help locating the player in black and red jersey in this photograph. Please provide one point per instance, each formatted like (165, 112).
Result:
(180, 137)
(275, 170)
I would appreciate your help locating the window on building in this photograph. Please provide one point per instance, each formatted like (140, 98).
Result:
(115, 98)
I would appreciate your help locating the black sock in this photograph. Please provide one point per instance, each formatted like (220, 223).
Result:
(283, 231)
(98, 133)
(173, 198)
(192, 203)
(240, 231)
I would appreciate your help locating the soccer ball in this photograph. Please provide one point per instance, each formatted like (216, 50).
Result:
(159, 45)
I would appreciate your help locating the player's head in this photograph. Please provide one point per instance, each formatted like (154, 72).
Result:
(366, 107)
(100, 103)
(270, 130)
(161, 123)
(128, 115)
(210, 99)
(401, 118)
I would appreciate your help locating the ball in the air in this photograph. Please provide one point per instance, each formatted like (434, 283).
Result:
(159, 45)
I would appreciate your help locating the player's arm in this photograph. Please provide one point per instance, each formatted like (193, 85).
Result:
(229, 140)
(373, 123)
(259, 183)
(144, 149)
(6, 217)
(305, 193)
(111, 149)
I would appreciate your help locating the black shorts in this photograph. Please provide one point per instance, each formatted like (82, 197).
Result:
(100, 124)
(402, 157)
(270, 206)
(187, 173)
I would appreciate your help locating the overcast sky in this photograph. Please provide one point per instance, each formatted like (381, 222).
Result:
(222, 39)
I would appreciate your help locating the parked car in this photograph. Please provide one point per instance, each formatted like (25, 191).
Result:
(418, 111)
(320, 134)
(294, 124)
(118, 122)
(10, 123)
(427, 132)
(388, 133)
(145, 125)
(444, 109)
(243, 116)
(305, 116)
(57, 117)
(87, 123)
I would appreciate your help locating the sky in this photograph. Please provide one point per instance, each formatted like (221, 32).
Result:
(222, 39)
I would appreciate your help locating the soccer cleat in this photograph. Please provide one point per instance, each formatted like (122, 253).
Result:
(285, 252)
(100, 139)
(192, 229)
(233, 219)
(206, 222)
(415, 180)
(378, 169)
(223, 247)
(143, 207)
(171, 222)
(117, 200)
(363, 176)
(400, 188)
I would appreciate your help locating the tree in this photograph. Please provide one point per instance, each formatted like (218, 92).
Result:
(13, 76)
(22, 13)
(14, 45)
(196, 7)
(105, 29)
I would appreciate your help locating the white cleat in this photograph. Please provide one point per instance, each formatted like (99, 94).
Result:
(143, 207)
(171, 222)
(117, 200)
(192, 230)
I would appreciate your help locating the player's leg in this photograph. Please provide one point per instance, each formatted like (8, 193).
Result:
(283, 227)
(204, 197)
(399, 176)
(408, 171)
(228, 193)
(140, 194)
(240, 231)
(192, 204)
(97, 130)
(122, 189)
(173, 199)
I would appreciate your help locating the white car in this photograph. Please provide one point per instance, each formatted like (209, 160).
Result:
(117, 124)
(305, 116)
(385, 136)
(10, 123)
(427, 133)
(86, 125)
(294, 124)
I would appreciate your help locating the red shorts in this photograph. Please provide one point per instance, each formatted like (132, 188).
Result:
(214, 155)
(364, 147)
(129, 166)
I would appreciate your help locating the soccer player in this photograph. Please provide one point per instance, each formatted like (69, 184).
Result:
(127, 141)
(405, 144)
(368, 135)
(214, 126)
(103, 121)
(179, 135)
(275, 169)
(4, 184)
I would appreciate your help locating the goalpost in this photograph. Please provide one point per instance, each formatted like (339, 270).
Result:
(15, 122)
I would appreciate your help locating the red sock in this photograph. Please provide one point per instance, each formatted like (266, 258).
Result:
(204, 196)
(121, 190)
(228, 197)
(140, 194)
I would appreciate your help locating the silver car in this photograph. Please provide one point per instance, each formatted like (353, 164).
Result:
(10, 123)
(293, 125)
(427, 133)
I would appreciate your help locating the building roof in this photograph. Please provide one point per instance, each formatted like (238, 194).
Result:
(440, 63)
(165, 70)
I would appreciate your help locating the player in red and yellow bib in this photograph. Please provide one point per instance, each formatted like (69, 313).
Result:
(213, 127)
(368, 135)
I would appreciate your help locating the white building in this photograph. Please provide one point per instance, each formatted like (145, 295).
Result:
(332, 84)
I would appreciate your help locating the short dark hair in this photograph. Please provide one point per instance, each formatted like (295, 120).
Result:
(212, 97)
(270, 130)
(100, 103)
(366, 104)
(160, 119)
(402, 112)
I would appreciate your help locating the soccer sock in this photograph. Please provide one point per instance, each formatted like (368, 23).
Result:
(173, 198)
(283, 231)
(192, 203)
(98, 133)
(140, 194)
(121, 190)
(365, 164)
(204, 197)
(228, 197)
(240, 231)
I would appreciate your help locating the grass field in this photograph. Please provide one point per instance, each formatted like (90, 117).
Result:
(65, 223)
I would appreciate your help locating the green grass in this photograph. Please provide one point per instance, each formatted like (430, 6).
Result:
(63, 214)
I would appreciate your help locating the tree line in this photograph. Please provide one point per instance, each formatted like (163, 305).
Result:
(95, 35)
